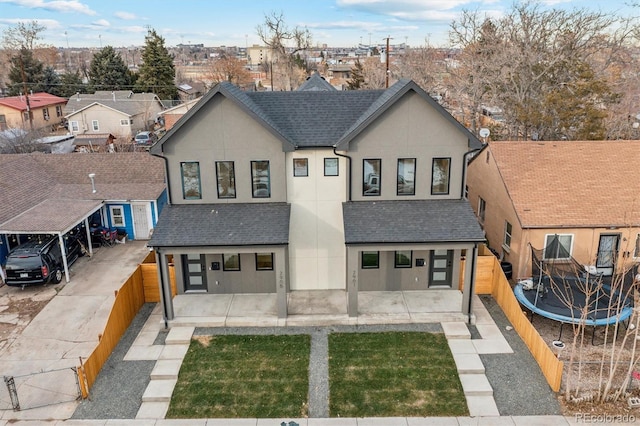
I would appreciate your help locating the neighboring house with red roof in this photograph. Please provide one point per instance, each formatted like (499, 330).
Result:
(121, 113)
(53, 193)
(585, 194)
(46, 111)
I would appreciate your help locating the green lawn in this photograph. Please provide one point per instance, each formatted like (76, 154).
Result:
(243, 376)
(393, 374)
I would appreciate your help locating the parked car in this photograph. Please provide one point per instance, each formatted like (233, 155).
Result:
(146, 138)
(39, 261)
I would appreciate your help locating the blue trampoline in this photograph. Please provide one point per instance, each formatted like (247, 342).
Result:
(559, 287)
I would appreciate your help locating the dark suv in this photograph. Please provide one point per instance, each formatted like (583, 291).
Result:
(39, 261)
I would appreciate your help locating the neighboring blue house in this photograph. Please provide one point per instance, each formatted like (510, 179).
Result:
(54, 193)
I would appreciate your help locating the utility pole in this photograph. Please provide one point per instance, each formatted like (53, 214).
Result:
(24, 88)
(387, 62)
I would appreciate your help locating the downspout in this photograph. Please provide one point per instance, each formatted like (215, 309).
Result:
(472, 289)
(166, 169)
(348, 166)
(464, 168)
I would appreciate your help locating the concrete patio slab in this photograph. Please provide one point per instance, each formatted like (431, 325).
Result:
(179, 336)
(145, 338)
(241, 321)
(489, 331)
(381, 302)
(433, 301)
(317, 302)
(253, 306)
(202, 305)
(143, 353)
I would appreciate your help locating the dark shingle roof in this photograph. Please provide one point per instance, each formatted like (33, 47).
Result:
(415, 221)
(233, 224)
(316, 118)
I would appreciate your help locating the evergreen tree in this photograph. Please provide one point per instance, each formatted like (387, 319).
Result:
(108, 71)
(357, 77)
(157, 73)
(25, 71)
(70, 84)
(50, 81)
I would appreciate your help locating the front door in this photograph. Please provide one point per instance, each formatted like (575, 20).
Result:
(607, 253)
(440, 268)
(194, 272)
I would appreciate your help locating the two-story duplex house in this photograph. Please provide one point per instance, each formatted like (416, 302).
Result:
(316, 189)
(37, 110)
(580, 195)
(121, 113)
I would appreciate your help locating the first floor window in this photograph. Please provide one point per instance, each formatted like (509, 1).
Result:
(95, 125)
(3, 122)
(370, 260)
(482, 208)
(371, 176)
(58, 110)
(557, 246)
(403, 259)
(74, 126)
(191, 189)
(226, 175)
(331, 167)
(440, 176)
(636, 252)
(231, 262)
(507, 234)
(45, 113)
(406, 176)
(300, 167)
(124, 122)
(264, 261)
(261, 179)
(117, 216)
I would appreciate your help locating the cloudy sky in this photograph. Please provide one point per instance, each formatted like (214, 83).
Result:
(345, 23)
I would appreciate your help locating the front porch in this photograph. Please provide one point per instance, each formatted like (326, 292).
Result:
(318, 307)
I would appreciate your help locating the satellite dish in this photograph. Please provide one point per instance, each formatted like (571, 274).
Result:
(484, 132)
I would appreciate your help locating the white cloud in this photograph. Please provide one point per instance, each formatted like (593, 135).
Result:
(101, 23)
(68, 6)
(50, 24)
(127, 16)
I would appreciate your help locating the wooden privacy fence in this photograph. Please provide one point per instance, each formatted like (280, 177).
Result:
(491, 280)
(141, 287)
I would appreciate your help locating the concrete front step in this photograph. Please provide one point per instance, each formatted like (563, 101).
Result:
(166, 369)
(179, 336)
(476, 385)
(455, 330)
(468, 364)
(159, 391)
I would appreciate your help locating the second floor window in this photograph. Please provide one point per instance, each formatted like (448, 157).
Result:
(74, 126)
(226, 175)
(301, 167)
(261, 187)
(190, 171)
(371, 176)
(95, 125)
(440, 176)
(406, 176)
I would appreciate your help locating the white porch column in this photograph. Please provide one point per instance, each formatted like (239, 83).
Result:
(353, 265)
(64, 258)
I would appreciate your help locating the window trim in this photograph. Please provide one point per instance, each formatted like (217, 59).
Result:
(303, 169)
(398, 177)
(253, 183)
(433, 170)
(546, 243)
(233, 178)
(59, 111)
(337, 165)
(264, 268)
(124, 121)
(364, 193)
(402, 266)
(112, 216)
(184, 194)
(45, 114)
(363, 266)
(224, 262)
(74, 126)
(508, 236)
(95, 125)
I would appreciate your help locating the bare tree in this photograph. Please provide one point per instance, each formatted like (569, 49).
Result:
(286, 44)
(227, 68)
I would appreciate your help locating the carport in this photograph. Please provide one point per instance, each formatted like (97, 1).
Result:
(54, 217)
